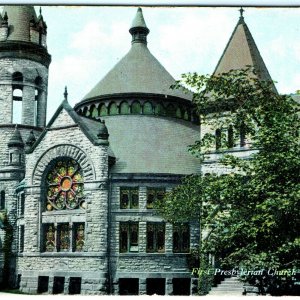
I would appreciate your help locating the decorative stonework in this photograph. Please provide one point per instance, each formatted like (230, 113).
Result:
(70, 151)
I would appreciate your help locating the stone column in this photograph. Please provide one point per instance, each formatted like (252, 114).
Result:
(169, 238)
(41, 108)
(169, 286)
(28, 105)
(66, 286)
(50, 285)
(142, 237)
(142, 286)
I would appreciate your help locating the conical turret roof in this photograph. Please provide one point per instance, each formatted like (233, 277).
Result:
(16, 139)
(138, 71)
(19, 17)
(241, 51)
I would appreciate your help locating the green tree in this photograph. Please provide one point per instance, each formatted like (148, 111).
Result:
(250, 213)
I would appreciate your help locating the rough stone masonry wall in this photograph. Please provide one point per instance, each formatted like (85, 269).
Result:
(30, 70)
(90, 264)
(141, 264)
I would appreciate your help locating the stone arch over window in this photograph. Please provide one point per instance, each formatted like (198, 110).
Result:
(2, 200)
(147, 108)
(93, 111)
(136, 108)
(113, 109)
(124, 108)
(61, 151)
(17, 92)
(64, 185)
(103, 110)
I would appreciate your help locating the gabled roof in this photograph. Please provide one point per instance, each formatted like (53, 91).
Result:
(138, 71)
(89, 127)
(240, 52)
(19, 17)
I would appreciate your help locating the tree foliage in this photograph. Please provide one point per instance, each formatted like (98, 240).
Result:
(251, 210)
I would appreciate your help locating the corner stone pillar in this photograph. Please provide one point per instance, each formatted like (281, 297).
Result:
(142, 236)
(28, 105)
(169, 286)
(142, 286)
(42, 109)
(50, 285)
(66, 286)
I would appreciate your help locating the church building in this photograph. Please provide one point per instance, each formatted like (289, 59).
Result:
(77, 193)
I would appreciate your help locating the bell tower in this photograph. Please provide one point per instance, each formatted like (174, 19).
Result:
(24, 62)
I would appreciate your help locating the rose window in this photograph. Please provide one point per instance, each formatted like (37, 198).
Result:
(65, 186)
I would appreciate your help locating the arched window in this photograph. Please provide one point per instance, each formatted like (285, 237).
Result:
(178, 113)
(160, 110)
(65, 186)
(102, 110)
(136, 108)
(171, 111)
(113, 109)
(17, 79)
(2, 200)
(17, 76)
(93, 111)
(148, 109)
(85, 111)
(124, 108)
(186, 115)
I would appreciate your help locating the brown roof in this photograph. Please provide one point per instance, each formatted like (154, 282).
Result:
(241, 51)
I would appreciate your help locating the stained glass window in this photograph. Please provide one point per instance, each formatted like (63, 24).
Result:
(63, 238)
(65, 186)
(155, 237)
(181, 238)
(129, 198)
(79, 237)
(49, 238)
(129, 237)
(153, 194)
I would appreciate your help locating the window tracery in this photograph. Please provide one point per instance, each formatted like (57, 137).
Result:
(65, 186)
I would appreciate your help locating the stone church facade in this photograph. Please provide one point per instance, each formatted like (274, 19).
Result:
(78, 192)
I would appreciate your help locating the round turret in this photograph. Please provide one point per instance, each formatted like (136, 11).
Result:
(16, 140)
(24, 62)
(142, 112)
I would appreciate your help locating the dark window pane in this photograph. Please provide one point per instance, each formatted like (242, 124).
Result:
(43, 282)
(156, 286)
(75, 285)
(58, 285)
(128, 286)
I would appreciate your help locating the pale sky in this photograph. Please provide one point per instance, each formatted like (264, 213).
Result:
(86, 42)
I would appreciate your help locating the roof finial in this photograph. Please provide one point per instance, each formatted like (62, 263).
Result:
(241, 13)
(40, 10)
(66, 93)
(139, 29)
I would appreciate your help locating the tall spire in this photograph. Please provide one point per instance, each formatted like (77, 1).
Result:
(139, 29)
(241, 51)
